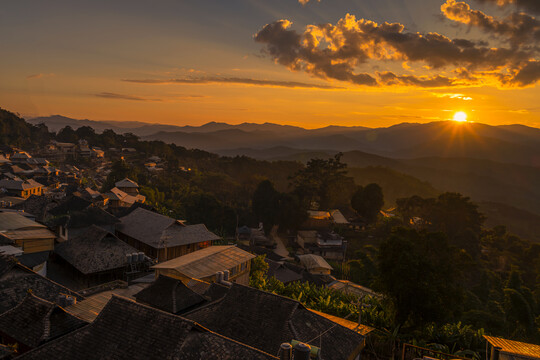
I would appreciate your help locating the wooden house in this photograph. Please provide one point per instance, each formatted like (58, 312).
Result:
(22, 188)
(161, 237)
(204, 264)
(96, 256)
(315, 264)
(27, 234)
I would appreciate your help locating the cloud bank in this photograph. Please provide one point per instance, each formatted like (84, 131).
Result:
(232, 80)
(341, 51)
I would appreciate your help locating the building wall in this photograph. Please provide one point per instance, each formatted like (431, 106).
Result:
(35, 245)
(163, 254)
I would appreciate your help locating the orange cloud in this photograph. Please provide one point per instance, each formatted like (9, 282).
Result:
(338, 51)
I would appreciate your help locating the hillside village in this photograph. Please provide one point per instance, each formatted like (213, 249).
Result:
(93, 266)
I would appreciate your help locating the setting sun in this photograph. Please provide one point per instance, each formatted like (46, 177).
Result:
(460, 116)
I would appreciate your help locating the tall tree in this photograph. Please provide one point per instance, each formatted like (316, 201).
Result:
(265, 204)
(322, 181)
(368, 201)
(417, 271)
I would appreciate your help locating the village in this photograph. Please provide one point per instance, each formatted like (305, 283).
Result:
(91, 274)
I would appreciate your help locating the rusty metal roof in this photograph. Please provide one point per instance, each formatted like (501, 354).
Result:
(512, 347)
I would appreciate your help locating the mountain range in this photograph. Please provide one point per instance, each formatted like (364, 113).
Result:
(498, 166)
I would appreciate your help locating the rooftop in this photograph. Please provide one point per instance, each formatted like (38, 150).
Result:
(126, 183)
(19, 184)
(127, 330)
(159, 231)
(169, 295)
(512, 347)
(206, 262)
(311, 261)
(94, 251)
(15, 221)
(240, 313)
(35, 321)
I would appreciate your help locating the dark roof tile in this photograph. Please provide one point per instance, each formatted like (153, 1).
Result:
(127, 330)
(35, 321)
(169, 295)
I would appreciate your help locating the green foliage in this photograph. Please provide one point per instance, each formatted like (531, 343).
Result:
(324, 182)
(265, 204)
(417, 271)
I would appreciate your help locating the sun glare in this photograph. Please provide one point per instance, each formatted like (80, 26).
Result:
(460, 116)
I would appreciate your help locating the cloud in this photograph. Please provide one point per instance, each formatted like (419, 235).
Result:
(232, 80)
(338, 51)
(304, 2)
(109, 95)
(532, 6)
(453, 96)
(517, 28)
(39, 76)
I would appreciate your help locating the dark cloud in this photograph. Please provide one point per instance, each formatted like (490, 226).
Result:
(389, 78)
(532, 6)
(337, 52)
(232, 80)
(109, 95)
(529, 74)
(518, 29)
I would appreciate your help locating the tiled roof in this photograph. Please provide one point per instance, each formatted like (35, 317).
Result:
(35, 321)
(206, 262)
(19, 184)
(36, 205)
(81, 219)
(159, 231)
(126, 183)
(6, 263)
(169, 295)
(512, 347)
(15, 283)
(265, 320)
(94, 251)
(127, 330)
(281, 272)
(74, 203)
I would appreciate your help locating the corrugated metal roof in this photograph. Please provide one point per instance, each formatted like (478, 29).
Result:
(15, 221)
(207, 261)
(512, 347)
(311, 261)
(29, 234)
(361, 329)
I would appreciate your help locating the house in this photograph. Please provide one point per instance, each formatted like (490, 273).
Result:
(36, 205)
(282, 272)
(264, 321)
(348, 287)
(504, 349)
(325, 243)
(317, 220)
(338, 218)
(97, 256)
(22, 188)
(161, 237)
(118, 199)
(35, 321)
(315, 264)
(127, 330)
(169, 294)
(16, 280)
(20, 157)
(77, 223)
(128, 186)
(204, 264)
(27, 234)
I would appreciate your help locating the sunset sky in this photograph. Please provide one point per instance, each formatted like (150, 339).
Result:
(308, 63)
